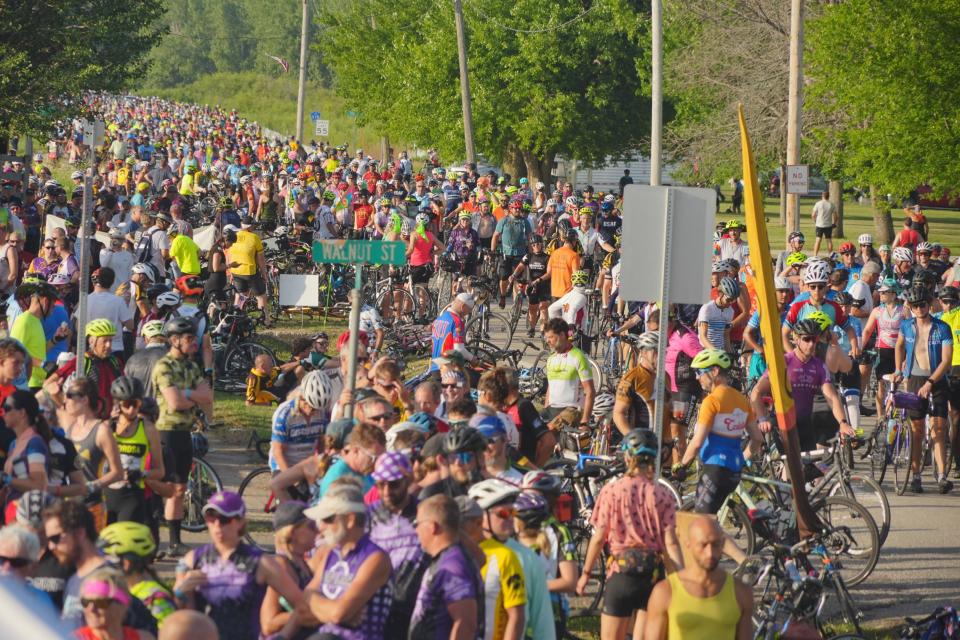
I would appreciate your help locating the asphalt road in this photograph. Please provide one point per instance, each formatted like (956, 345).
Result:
(918, 569)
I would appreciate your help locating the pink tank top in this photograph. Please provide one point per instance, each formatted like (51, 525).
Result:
(888, 326)
(422, 250)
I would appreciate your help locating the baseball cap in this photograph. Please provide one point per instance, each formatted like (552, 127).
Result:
(338, 430)
(226, 503)
(338, 500)
(433, 446)
(392, 466)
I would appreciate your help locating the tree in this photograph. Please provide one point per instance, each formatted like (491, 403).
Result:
(563, 77)
(889, 72)
(53, 50)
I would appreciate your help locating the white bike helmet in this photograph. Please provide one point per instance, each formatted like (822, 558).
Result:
(145, 269)
(316, 391)
(865, 238)
(816, 272)
(603, 404)
(902, 254)
(171, 299)
(493, 491)
(423, 218)
(781, 284)
(651, 339)
(152, 329)
(924, 247)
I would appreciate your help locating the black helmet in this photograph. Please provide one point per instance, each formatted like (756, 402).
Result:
(201, 446)
(807, 327)
(843, 298)
(155, 290)
(687, 314)
(916, 295)
(640, 442)
(951, 294)
(464, 440)
(536, 239)
(126, 388)
(178, 327)
(571, 236)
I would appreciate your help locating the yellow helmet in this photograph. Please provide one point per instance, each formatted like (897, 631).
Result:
(127, 538)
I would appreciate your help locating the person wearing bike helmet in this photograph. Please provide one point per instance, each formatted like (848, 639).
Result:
(132, 547)
(815, 279)
(903, 268)
(37, 299)
(572, 306)
(924, 357)
(752, 337)
(459, 462)
(715, 319)
(809, 377)
(635, 405)
(848, 261)
(299, 422)
(732, 246)
(795, 242)
(138, 442)
(725, 415)
(100, 364)
(635, 519)
(180, 390)
(191, 290)
(563, 262)
(511, 239)
(538, 298)
(420, 252)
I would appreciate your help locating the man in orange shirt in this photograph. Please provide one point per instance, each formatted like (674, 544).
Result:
(563, 262)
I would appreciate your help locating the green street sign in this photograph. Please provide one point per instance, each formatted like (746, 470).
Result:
(359, 252)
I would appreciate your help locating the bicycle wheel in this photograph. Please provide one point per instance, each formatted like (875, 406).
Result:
(856, 547)
(426, 304)
(879, 455)
(396, 306)
(735, 523)
(597, 375)
(490, 327)
(868, 492)
(900, 457)
(241, 357)
(261, 503)
(672, 490)
(202, 483)
(849, 615)
(443, 284)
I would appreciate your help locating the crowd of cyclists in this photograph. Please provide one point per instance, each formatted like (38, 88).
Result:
(440, 507)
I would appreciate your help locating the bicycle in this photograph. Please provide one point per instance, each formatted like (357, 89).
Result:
(203, 482)
(235, 350)
(485, 324)
(261, 504)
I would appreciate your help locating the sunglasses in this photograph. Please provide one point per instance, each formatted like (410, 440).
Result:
(920, 305)
(380, 418)
(462, 458)
(10, 406)
(808, 338)
(55, 538)
(816, 287)
(504, 512)
(393, 484)
(219, 517)
(16, 563)
(99, 603)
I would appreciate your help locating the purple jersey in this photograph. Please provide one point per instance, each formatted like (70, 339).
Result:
(806, 380)
(451, 577)
(231, 595)
(338, 572)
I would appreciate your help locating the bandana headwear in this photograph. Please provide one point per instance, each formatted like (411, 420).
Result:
(421, 230)
(397, 222)
(453, 377)
(101, 589)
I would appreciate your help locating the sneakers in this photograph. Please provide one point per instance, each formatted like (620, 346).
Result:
(916, 485)
(945, 485)
(531, 332)
(868, 411)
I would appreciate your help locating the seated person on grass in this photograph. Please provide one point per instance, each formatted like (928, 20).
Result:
(263, 384)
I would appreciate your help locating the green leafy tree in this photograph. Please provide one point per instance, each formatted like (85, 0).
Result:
(563, 77)
(53, 50)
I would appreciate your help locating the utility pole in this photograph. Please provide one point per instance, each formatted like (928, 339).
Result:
(656, 87)
(464, 82)
(794, 109)
(302, 89)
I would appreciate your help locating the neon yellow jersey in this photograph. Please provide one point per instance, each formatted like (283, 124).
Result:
(952, 318)
(504, 586)
(157, 599)
(186, 185)
(565, 374)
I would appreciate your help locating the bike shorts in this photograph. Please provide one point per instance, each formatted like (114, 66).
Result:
(508, 264)
(538, 294)
(179, 444)
(126, 504)
(623, 594)
(688, 400)
(850, 379)
(886, 362)
(936, 404)
(954, 396)
(421, 274)
(253, 284)
(716, 483)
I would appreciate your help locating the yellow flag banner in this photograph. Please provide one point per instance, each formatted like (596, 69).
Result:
(762, 267)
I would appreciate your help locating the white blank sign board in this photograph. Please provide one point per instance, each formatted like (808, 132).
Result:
(299, 291)
(641, 248)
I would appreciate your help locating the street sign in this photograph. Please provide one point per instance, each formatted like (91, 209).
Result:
(798, 178)
(323, 128)
(93, 133)
(314, 115)
(359, 252)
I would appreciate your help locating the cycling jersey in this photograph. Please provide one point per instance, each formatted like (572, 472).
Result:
(449, 330)
(133, 453)
(230, 595)
(296, 433)
(681, 349)
(608, 225)
(370, 320)
(158, 600)
(726, 413)
(259, 384)
(952, 319)
(843, 340)
(888, 325)
(636, 389)
(514, 233)
(35, 452)
(801, 310)
(450, 577)
(565, 373)
(538, 611)
(338, 572)
(718, 321)
(940, 335)
(536, 263)
(806, 381)
(504, 586)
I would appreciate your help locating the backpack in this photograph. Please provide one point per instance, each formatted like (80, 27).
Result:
(144, 250)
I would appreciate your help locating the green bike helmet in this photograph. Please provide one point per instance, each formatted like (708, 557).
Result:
(711, 358)
(797, 257)
(821, 319)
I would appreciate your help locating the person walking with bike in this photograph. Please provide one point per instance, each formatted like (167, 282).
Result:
(419, 253)
(512, 236)
(701, 600)
(538, 297)
(635, 519)
(725, 415)
(180, 389)
(886, 319)
(463, 246)
(924, 356)
(450, 329)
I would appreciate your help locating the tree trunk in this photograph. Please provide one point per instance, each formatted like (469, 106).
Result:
(882, 219)
(538, 167)
(836, 197)
(513, 161)
(783, 198)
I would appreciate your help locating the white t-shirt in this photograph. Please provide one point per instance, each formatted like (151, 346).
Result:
(108, 306)
(121, 262)
(734, 250)
(823, 211)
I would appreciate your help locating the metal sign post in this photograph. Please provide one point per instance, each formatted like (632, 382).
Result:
(660, 380)
(93, 134)
(357, 253)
